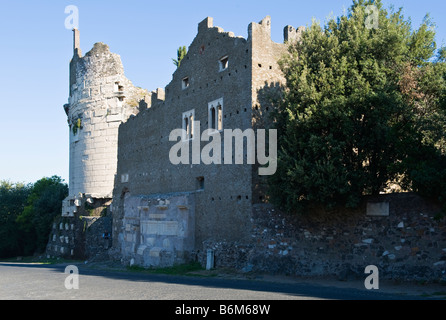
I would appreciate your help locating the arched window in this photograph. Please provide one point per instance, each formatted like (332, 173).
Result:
(219, 117)
(215, 117)
(188, 124)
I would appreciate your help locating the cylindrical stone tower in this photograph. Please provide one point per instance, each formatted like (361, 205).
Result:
(101, 98)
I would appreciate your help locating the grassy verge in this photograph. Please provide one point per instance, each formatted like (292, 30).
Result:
(37, 260)
(437, 294)
(194, 269)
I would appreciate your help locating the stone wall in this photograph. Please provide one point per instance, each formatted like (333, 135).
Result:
(408, 244)
(81, 237)
(158, 230)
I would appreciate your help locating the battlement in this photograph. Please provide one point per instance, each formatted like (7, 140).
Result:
(208, 24)
(261, 28)
(290, 34)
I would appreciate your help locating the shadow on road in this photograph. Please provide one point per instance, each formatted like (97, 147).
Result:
(291, 289)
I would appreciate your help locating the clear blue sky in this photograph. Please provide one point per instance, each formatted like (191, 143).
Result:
(35, 50)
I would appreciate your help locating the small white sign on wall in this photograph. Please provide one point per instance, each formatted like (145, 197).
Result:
(378, 209)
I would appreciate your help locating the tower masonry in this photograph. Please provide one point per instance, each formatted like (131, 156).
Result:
(101, 98)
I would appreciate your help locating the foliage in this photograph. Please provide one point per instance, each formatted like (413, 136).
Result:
(362, 107)
(27, 213)
(181, 53)
(12, 203)
(42, 206)
(181, 269)
(77, 126)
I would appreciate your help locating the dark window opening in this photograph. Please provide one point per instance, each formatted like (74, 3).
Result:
(185, 83)
(186, 126)
(213, 118)
(200, 183)
(224, 63)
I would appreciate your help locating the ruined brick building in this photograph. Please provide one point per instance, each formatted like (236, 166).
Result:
(163, 212)
(129, 201)
(120, 146)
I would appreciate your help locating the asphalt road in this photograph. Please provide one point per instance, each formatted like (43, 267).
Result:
(20, 281)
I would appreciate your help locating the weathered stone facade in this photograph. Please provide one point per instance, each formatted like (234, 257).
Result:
(158, 230)
(219, 69)
(408, 244)
(80, 238)
(164, 213)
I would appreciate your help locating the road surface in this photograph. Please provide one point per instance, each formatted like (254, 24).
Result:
(21, 281)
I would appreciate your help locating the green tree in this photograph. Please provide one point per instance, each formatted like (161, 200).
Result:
(362, 107)
(43, 204)
(12, 202)
(181, 53)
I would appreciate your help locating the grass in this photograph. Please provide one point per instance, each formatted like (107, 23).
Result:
(37, 260)
(182, 269)
(436, 293)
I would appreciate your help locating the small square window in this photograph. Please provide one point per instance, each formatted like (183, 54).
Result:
(200, 183)
(120, 102)
(185, 83)
(224, 63)
(125, 178)
(118, 87)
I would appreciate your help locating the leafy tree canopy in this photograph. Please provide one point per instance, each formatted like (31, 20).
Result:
(363, 107)
(27, 213)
